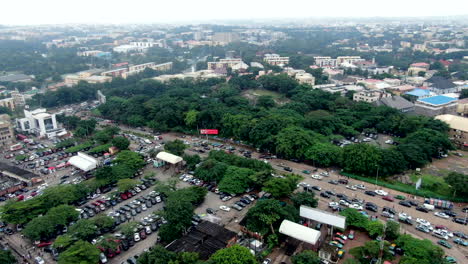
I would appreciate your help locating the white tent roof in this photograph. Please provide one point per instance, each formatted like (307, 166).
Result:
(322, 216)
(83, 162)
(299, 232)
(168, 157)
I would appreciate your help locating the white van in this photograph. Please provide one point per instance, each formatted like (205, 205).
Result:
(429, 207)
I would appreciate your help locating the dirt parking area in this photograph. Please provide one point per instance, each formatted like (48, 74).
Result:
(451, 163)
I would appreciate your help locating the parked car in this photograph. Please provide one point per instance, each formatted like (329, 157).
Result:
(388, 198)
(422, 209)
(370, 193)
(441, 215)
(444, 244)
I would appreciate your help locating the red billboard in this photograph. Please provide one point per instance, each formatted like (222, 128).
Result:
(209, 131)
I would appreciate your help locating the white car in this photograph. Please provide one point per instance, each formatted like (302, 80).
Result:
(224, 208)
(351, 187)
(333, 204)
(102, 258)
(389, 141)
(317, 177)
(143, 207)
(360, 186)
(343, 202)
(137, 189)
(381, 192)
(423, 222)
(39, 260)
(136, 237)
(356, 206)
(442, 215)
(158, 199)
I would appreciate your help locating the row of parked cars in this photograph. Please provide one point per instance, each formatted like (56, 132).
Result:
(93, 208)
(135, 207)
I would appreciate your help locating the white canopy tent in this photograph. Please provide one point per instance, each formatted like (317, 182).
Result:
(83, 162)
(299, 232)
(322, 216)
(168, 157)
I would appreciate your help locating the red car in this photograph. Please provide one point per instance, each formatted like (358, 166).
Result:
(123, 196)
(143, 234)
(44, 244)
(441, 227)
(388, 198)
(339, 240)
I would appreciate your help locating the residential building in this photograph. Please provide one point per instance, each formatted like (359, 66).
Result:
(275, 59)
(225, 37)
(348, 59)
(40, 123)
(226, 63)
(7, 135)
(18, 98)
(458, 129)
(325, 62)
(204, 74)
(441, 85)
(115, 72)
(87, 76)
(256, 65)
(305, 78)
(374, 84)
(415, 68)
(462, 107)
(435, 105)
(93, 53)
(370, 96)
(128, 48)
(8, 103)
(397, 102)
(401, 89)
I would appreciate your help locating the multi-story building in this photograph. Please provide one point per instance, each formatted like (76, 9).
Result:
(8, 103)
(40, 123)
(18, 98)
(458, 129)
(135, 69)
(348, 59)
(370, 96)
(275, 59)
(115, 72)
(435, 105)
(93, 53)
(226, 63)
(128, 48)
(87, 76)
(225, 37)
(7, 135)
(325, 62)
(462, 107)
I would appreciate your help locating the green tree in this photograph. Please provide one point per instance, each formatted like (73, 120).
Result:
(128, 229)
(236, 180)
(423, 250)
(354, 218)
(175, 147)
(392, 231)
(102, 137)
(233, 255)
(64, 241)
(362, 159)
(265, 101)
(457, 182)
(292, 142)
(130, 159)
(191, 118)
(157, 255)
(121, 143)
(6, 257)
(81, 252)
(306, 257)
(282, 187)
(304, 198)
(324, 154)
(370, 250)
(266, 216)
(375, 228)
(124, 185)
(83, 229)
(351, 261)
(463, 94)
(211, 170)
(103, 222)
(191, 160)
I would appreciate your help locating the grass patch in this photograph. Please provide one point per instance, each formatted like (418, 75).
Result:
(260, 92)
(408, 188)
(433, 183)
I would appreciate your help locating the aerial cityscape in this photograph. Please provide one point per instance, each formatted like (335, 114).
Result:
(194, 137)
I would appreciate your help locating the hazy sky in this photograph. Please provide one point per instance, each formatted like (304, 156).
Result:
(160, 11)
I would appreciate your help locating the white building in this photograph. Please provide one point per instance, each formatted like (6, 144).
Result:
(275, 59)
(40, 123)
(128, 48)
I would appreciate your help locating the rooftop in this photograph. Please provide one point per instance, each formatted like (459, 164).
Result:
(441, 82)
(437, 100)
(455, 122)
(24, 174)
(419, 92)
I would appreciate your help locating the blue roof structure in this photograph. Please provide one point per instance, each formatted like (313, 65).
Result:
(437, 100)
(418, 92)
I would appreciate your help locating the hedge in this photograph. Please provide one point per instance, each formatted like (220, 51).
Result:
(80, 147)
(101, 148)
(406, 188)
